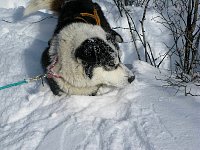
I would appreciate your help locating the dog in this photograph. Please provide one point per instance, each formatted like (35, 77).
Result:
(83, 54)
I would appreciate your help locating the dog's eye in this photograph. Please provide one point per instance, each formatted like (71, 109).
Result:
(110, 66)
(111, 63)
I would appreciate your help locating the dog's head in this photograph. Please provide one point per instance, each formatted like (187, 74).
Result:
(101, 61)
(89, 56)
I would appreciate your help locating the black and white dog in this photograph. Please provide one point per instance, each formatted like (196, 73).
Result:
(83, 54)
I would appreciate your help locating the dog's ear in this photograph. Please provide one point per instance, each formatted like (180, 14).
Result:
(86, 55)
(94, 51)
(114, 36)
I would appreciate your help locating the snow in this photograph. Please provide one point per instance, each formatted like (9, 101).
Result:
(12, 3)
(145, 115)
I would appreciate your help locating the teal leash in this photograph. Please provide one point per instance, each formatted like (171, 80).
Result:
(25, 81)
(13, 84)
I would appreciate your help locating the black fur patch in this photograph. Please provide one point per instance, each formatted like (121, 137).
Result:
(95, 52)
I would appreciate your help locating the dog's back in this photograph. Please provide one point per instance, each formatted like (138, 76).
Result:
(69, 11)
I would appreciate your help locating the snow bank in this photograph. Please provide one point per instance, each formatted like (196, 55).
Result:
(142, 116)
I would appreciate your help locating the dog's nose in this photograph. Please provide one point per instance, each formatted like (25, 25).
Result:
(131, 79)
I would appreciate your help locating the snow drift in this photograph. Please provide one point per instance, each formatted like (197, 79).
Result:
(142, 116)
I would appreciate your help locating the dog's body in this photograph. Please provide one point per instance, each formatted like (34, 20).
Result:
(83, 54)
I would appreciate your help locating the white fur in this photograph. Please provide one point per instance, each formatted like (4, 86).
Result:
(117, 77)
(74, 79)
(35, 5)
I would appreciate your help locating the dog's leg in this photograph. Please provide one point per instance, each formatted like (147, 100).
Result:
(54, 87)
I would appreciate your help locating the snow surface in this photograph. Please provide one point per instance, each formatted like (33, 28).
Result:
(143, 116)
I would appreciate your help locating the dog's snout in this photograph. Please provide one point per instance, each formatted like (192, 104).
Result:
(131, 79)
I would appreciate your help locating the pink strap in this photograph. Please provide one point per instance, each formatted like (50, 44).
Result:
(50, 72)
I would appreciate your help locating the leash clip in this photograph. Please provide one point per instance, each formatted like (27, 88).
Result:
(39, 77)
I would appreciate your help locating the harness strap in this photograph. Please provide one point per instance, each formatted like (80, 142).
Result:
(50, 72)
(94, 16)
